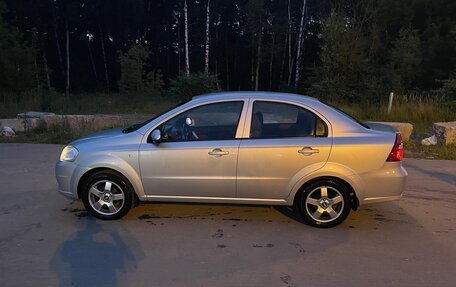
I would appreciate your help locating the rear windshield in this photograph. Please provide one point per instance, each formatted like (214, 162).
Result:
(348, 116)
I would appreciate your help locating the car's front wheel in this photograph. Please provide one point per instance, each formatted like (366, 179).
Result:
(325, 203)
(107, 195)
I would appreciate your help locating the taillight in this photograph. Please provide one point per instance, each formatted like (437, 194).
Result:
(398, 149)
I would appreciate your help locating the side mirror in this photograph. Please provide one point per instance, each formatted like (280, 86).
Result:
(156, 136)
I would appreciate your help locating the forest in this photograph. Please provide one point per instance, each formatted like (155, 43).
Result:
(137, 51)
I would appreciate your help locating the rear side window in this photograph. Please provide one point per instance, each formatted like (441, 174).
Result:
(280, 120)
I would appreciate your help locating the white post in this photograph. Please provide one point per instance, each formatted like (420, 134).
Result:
(390, 102)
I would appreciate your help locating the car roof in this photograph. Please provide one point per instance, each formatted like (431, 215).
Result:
(255, 94)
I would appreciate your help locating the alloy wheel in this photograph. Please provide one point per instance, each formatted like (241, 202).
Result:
(106, 197)
(324, 204)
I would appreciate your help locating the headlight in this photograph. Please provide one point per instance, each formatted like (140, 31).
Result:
(69, 153)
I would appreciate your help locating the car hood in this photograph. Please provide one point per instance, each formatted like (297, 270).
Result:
(98, 136)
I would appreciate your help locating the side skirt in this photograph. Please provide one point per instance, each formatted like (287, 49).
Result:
(202, 199)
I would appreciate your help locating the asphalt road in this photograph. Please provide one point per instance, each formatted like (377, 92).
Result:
(47, 240)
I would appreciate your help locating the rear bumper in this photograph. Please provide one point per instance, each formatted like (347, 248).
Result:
(385, 184)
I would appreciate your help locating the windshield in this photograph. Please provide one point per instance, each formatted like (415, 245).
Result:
(135, 127)
(348, 116)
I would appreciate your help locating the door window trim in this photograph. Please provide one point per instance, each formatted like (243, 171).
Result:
(248, 121)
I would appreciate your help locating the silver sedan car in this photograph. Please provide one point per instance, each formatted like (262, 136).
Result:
(238, 148)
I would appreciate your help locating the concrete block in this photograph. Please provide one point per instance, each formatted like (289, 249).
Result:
(445, 132)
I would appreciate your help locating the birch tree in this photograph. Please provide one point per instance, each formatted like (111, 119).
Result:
(290, 55)
(257, 71)
(271, 60)
(177, 17)
(37, 75)
(255, 20)
(46, 68)
(187, 61)
(299, 44)
(92, 62)
(206, 54)
(104, 58)
(56, 36)
(67, 37)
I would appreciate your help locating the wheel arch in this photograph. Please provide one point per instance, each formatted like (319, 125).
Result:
(95, 170)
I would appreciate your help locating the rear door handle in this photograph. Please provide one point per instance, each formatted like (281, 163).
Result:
(307, 151)
(218, 152)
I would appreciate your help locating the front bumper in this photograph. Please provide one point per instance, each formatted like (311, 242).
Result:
(68, 175)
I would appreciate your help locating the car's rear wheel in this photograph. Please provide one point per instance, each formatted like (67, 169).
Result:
(107, 195)
(325, 203)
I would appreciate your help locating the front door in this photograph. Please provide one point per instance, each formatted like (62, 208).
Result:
(198, 154)
(284, 141)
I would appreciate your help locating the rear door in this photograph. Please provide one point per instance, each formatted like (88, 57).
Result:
(280, 140)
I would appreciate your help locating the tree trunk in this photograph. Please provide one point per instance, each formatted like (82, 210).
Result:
(299, 44)
(187, 61)
(59, 51)
(257, 72)
(57, 42)
(290, 57)
(37, 75)
(46, 69)
(216, 53)
(104, 59)
(290, 71)
(271, 61)
(282, 66)
(67, 86)
(168, 51)
(227, 64)
(236, 65)
(252, 61)
(206, 56)
(159, 44)
(178, 45)
(216, 49)
(94, 68)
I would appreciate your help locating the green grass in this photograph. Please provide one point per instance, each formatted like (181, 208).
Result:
(414, 149)
(84, 104)
(421, 114)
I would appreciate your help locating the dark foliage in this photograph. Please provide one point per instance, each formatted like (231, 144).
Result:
(351, 49)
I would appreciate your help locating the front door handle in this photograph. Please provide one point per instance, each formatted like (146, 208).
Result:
(217, 152)
(307, 151)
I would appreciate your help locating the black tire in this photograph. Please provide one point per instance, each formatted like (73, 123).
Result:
(111, 205)
(324, 211)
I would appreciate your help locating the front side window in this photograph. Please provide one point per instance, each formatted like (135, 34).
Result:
(280, 120)
(217, 121)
